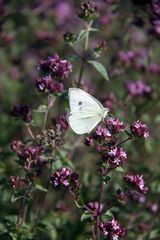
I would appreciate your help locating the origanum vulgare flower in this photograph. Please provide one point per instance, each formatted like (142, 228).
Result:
(48, 84)
(58, 68)
(112, 230)
(23, 112)
(139, 129)
(96, 207)
(88, 11)
(64, 177)
(138, 88)
(117, 157)
(30, 156)
(102, 133)
(137, 182)
(16, 182)
(115, 125)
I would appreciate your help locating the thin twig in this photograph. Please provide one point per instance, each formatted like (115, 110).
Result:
(30, 131)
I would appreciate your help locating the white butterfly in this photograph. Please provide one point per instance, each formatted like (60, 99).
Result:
(85, 111)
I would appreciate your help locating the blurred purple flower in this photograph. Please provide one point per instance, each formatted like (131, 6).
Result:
(16, 182)
(139, 129)
(63, 121)
(110, 101)
(137, 182)
(63, 12)
(23, 112)
(155, 5)
(112, 230)
(138, 88)
(153, 68)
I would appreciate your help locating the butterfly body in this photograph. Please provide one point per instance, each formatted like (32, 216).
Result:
(85, 111)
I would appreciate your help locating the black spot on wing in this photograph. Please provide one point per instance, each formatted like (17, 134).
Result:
(79, 103)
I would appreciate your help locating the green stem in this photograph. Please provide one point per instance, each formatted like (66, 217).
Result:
(88, 26)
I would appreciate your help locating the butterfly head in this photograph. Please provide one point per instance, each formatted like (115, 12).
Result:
(105, 112)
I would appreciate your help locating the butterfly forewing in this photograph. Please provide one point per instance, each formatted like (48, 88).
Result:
(79, 98)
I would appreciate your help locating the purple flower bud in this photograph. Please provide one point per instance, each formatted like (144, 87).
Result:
(16, 182)
(112, 229)
(96, 208)
(137, 182)
(63, 121)
(115, 125)
(23, 112)
(117, 157)
(139, 129)
(138, 88)
(88, 11)
(16, 146)
(64, 177)
(89, 141)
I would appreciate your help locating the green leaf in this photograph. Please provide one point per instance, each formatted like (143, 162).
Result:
(119, 169)
(14, 198)
(40, 188)
(100, 68)
(86, 215)
(154, 234)
(79, 202)
(41, 109)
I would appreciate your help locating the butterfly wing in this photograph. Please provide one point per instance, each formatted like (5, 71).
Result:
(86, 111)
(78, 97)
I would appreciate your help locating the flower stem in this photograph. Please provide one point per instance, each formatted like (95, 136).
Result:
(50, 102)
(98, 210)
(127, 139)
(30, 131)
(88, 26)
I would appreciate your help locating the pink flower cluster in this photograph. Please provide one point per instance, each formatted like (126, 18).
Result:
(112, 230)
(138, 88)
(54, 70)
(139, 129)
(137, 182)
(64, 177)
(117, 157)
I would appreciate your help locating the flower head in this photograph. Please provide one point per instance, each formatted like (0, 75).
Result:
(64, 177)
(138, 88)
(115, 125)
(96, 208)
(117, 157)
(137, 182)
(58, 68)
(102, 133)
(88, 11)
(112, 230)
(22, 111)
(139, 129)
(16, 182)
